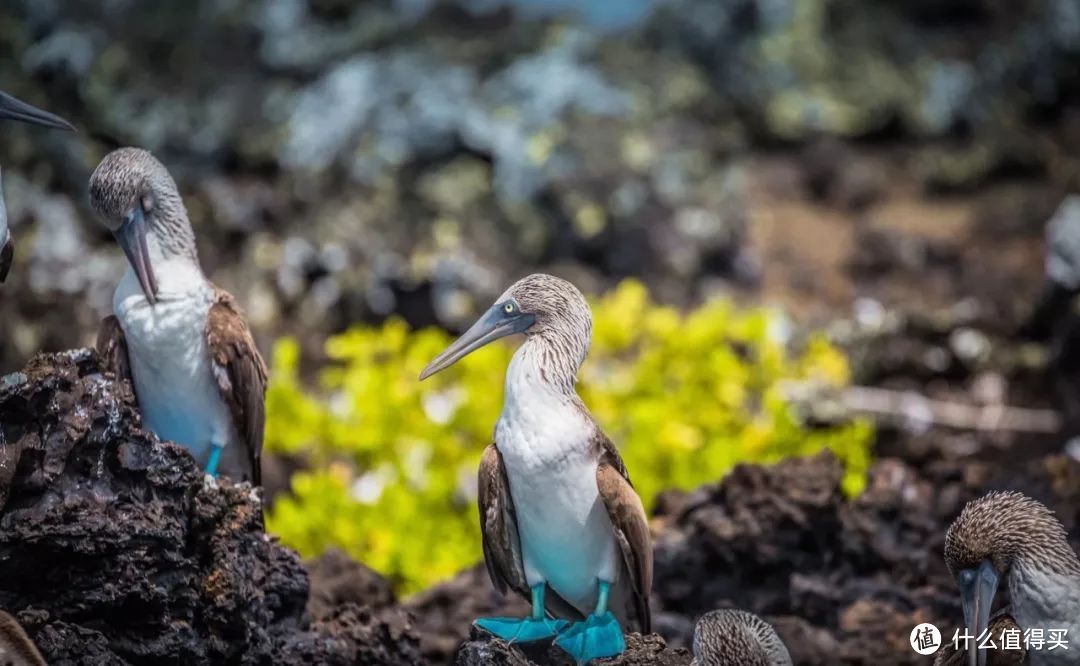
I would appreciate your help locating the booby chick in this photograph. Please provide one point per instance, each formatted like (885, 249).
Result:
(1007, 535)
(14, 109)
(562, 525)
(737, 638)
(197, 375)
(16, 648)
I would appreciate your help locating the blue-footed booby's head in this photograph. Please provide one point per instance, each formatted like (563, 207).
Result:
(737, 638)
(15, 109)
(993, 536)
(537, 305)
(136, 198)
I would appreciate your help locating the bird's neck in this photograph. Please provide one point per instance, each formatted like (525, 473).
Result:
(1045, 594)
(545, 364)
(175, 260)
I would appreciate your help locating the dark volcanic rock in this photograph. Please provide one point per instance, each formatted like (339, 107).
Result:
(482, 649)
(115, 548)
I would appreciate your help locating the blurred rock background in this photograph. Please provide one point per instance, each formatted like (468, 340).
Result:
(346, 161)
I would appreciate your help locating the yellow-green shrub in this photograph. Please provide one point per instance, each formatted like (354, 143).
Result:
(685, 397)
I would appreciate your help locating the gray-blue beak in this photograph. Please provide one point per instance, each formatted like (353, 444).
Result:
(132, 239)
(977, 589)
(15, 109)
(494, 324)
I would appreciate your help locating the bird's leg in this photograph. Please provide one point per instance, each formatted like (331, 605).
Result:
(532, 628)
(215, 458)
(598, 636)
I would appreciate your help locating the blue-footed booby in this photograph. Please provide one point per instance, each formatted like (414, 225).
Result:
(562, 525)
(14, 109)
(16, 648)
(1007, 535)
(197, 375)
(737, 638)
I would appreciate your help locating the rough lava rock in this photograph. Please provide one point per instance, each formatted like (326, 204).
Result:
(115, 549)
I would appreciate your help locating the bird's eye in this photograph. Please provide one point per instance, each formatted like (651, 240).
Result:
(966, 577)
(508, 308)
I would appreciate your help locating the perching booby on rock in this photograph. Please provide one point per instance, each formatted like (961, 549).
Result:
(182, 342)
(1007, 535)
(562, 525)
(737, 638)
(14, 109)
(16, 648)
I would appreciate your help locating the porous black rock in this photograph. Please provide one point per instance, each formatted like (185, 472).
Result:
(115, 548)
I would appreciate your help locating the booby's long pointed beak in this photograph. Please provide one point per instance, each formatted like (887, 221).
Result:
(496, 323)
(977, 589)
(16, 109)
(132, 239)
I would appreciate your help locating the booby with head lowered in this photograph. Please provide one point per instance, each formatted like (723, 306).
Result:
(197, 375)
(562, 525)
(737, 638)
(14, 109)
(1007, 535)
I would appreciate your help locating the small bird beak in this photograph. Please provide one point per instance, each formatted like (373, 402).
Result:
(132, 238)
(493, 325)
(15, 109)
(977, 594)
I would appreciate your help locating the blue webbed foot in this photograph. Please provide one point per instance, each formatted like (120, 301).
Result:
(598, 636)
(521, 630)
(215, 458)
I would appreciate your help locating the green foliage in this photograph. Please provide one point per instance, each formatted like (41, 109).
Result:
(393, 476)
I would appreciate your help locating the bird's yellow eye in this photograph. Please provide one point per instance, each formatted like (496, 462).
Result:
(508, 308)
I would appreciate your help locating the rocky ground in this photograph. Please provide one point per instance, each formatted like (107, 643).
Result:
(115, 549)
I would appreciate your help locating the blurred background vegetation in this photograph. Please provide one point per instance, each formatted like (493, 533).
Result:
(750, 191)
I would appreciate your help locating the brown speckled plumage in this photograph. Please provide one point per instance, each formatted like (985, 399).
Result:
(563, 323)
(1006, 527)
(16, 648)
(737, 638)
(130, 177)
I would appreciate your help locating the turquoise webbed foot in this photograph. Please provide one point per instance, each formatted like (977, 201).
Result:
(598, 636)
(215, 458)
(521, 630)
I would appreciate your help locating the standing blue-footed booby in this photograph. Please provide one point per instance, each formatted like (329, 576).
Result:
(14, 109)
(16, 648)
(197, 374)
(737, 638)
(562, 526)
(1009, 535)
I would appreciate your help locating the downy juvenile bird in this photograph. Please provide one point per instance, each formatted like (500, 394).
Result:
(562, 525)
(14, 109)
(182, 341)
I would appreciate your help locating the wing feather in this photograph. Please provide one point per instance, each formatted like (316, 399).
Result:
(112, 348)
(631, 526)
(241, 375)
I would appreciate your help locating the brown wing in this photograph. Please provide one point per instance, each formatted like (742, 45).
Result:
(112, 348)
(16, 648)
(240, 373)
(630, 523)
(501, 543)
(947, 656)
